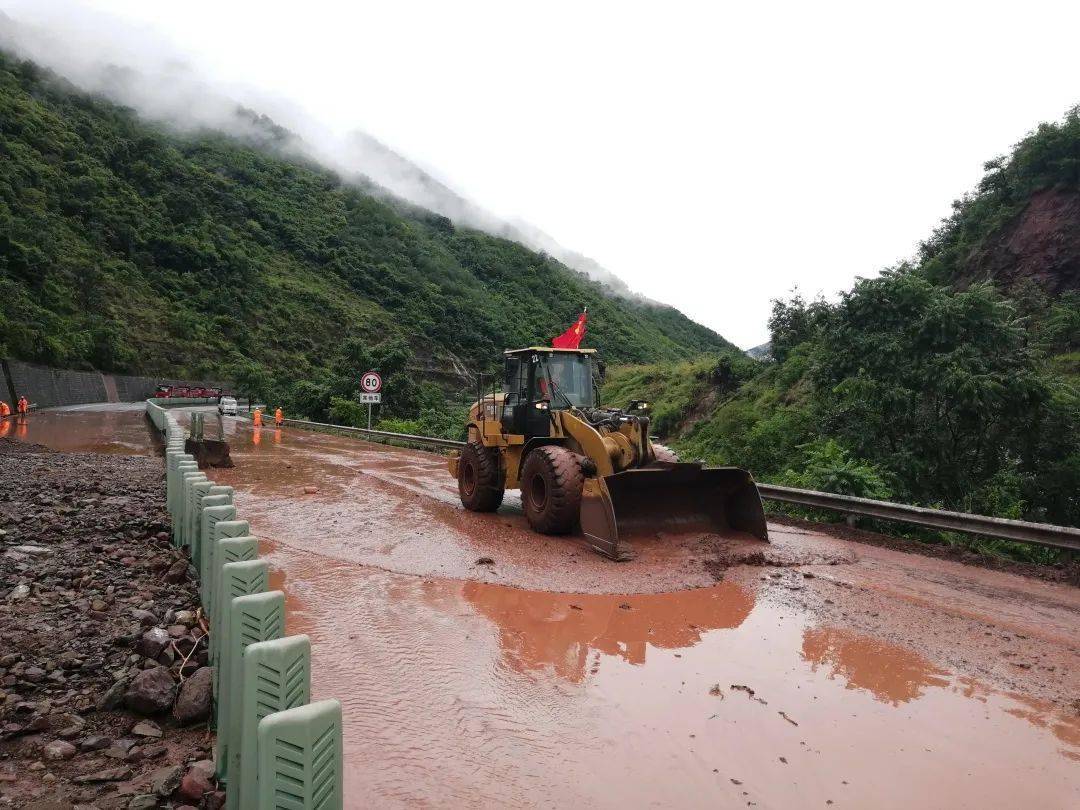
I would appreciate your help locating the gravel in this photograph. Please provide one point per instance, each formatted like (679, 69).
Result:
(101, 629)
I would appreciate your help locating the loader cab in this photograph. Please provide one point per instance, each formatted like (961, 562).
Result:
(539, 380)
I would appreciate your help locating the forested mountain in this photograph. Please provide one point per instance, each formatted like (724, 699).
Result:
(953, 381)
(126, 247)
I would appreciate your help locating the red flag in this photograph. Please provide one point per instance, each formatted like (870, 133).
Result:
(571, 338)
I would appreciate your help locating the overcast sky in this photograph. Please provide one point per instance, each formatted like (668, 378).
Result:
(713, 157)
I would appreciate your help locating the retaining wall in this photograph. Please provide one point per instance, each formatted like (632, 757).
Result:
(48, 387)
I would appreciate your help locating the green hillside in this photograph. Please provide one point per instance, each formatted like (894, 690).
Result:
(953, 382)
(126, 248)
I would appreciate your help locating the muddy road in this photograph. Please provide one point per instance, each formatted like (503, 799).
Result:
(825, 673)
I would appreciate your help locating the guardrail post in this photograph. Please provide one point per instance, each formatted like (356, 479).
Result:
(187, 481)
(208, 500)
(276, 677)
(229, 550)
(237, 579)
(300, 758)
(196, 492)
(228, 527)
(258, 617)
(212, 513)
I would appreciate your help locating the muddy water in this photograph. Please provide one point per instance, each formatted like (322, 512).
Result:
(612, 688)
(115, 428)
(466, 693)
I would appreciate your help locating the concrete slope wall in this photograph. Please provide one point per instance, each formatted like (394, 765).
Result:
(50, 387)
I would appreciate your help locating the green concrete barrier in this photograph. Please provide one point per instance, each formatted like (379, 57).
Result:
(206, 565)
(228, 550)
(187, 481)
(276, 677)
(300, 758)
(274, 749)
(237, 579)
(258, 617)
(195, 493)
(216, 496)
(212, 514)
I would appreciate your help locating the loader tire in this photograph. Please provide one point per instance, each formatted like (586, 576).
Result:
(665, 453)
(551, 484)
(480, 481)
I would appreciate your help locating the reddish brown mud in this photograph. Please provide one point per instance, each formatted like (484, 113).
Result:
(817, 671)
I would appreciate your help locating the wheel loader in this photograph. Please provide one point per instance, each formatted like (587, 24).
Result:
(578, 464)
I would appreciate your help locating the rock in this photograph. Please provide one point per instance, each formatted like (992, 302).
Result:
(114, 696)
(143, 802)
(145, 617)
(177, 572)
(119, 749)
(58, 750)
(164, 781)
(151, 692)
(98, 605)
(153, 642)
(216, 800)
(146, 728)
(198, 781)
(193, 704)
(19, 592)
(177, 630)
(33, 551)
(106, 775)
(95, 742)
(310, 490)
(185, 617)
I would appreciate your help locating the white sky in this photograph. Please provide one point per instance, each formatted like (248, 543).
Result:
(713, 156)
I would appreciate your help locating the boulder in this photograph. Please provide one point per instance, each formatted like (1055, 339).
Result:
(153, 642)
(198, 781)
(193, 704)
(58, 750)
(152, 691)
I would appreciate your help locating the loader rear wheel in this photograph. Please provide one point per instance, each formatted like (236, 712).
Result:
(480, 481)
(551, 484)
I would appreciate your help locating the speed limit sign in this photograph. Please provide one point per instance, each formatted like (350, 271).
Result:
(371, 382)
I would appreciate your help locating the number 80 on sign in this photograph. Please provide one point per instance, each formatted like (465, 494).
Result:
(371, 382)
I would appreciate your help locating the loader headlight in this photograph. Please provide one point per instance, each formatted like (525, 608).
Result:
(541, 406)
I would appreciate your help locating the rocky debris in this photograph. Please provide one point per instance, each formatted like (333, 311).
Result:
(97, 635)
(193, 704)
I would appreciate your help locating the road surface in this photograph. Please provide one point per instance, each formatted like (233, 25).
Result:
(824, 674)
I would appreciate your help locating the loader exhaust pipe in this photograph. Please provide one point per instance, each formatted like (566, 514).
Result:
(669, 497)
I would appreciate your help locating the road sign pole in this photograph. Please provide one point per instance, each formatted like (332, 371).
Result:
(369, 416)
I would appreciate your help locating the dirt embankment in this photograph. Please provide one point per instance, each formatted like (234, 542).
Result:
(104, 692)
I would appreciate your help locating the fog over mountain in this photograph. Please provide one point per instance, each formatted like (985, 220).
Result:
(136, 67)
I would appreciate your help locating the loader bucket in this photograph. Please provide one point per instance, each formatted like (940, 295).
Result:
(669, 498)
(209, 452)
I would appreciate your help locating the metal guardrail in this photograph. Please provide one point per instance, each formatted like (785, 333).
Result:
(1042, 534)
(430, 441)
(1021, 531)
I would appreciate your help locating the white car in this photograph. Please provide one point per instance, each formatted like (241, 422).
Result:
(227, 405)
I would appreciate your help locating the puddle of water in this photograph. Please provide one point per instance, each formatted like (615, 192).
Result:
(469, 693)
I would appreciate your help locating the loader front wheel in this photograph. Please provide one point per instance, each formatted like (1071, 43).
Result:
(551, 484)
(480, 482)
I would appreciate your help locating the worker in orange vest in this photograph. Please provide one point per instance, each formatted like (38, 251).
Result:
(24, 406)
(257, 418)
(5, 410)
(279, 417)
